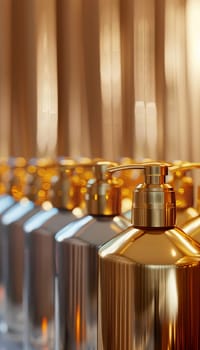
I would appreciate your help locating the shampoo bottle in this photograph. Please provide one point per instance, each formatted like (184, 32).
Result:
(67, 196)
(183, 185)
(149, 275)
(12, 179)
(5, 170)
(76, 261)
(192, 225)
(13, 239)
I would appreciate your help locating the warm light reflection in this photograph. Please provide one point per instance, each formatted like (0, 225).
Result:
(47, 205)
(24, 201)
(113, 245)
(44, 328)
(146, 129)
(151, 129)
(140, 129)
(172, 334)
(110, 73)
(193, 70)
(77, 212)
(126, 204)
(173, 252)
(193, 30)
(2, 294)
(172, 294)
(189, 249)
(78, 326)
(47, 115)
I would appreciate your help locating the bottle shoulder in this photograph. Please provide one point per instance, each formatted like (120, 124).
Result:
(192, 228)
(151, 246)
(92, 230)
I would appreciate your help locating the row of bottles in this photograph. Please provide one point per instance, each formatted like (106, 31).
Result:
(81, 269)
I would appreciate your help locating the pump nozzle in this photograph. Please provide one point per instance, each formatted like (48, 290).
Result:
(154, 202)
(184, 166)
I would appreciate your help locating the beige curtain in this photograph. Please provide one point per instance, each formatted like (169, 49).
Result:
(106, 78)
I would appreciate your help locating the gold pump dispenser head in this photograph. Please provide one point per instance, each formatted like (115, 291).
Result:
(68, 192)
(63, 194)
(103, 196)
(154, 203)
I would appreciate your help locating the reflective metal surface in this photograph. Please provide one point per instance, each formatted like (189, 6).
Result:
(149, 289)
(185, 215)
(7, 344)
(192, 228)
(39, 284)
(12, 264)
(103, 196)
(154, 202)
(183, 185)
(68, 191)
(76, 279)
(6, 202)
(13, 237)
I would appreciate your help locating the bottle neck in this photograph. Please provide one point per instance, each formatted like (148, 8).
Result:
(103, 199)
(154, 207)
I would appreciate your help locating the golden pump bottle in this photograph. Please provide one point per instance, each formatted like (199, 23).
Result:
(12, 221)
(68, 197)
(184, 188)
(192, 226)
(5, 169)
(76, 261)
(13, 180)
(149, 275)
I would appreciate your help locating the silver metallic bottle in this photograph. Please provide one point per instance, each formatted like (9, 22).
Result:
(13, 185)
(13, 244)
(76, 261)
(6, 201)
(67, 196)
(149, 276)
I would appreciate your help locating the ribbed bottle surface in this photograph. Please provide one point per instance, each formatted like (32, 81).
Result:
(77, 294)
(149, 291)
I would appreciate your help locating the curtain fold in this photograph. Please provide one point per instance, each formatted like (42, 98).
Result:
(100, 78)
(23, 79)
(5, 76)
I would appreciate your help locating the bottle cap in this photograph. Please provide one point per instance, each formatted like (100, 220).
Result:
(69, 190)
(154, 203)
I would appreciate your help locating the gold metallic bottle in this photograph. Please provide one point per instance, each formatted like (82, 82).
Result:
(68, 196)
(149, 276)
(184, 188)
(13, 239)
(76, 261)
(192, 226)
(4, 176)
